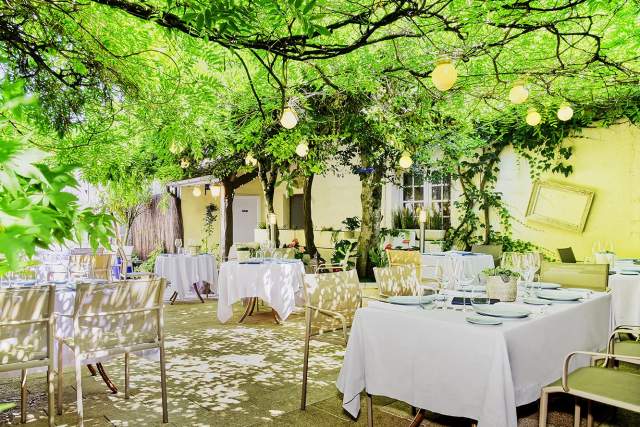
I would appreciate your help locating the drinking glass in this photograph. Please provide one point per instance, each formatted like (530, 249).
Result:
(178, 244)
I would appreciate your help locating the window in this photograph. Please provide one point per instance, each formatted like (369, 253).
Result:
(418, 191)
(296, 212)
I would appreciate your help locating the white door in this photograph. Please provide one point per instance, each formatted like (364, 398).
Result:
(245, 218)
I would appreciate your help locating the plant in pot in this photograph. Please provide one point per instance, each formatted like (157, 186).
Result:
(351, 224)
(435, 226)
(502, 283)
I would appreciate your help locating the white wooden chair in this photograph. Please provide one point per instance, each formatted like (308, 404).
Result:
(396, 280)
(26, 337)
(111, 319)
(331, 301)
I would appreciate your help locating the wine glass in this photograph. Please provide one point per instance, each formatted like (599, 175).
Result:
(178, 244)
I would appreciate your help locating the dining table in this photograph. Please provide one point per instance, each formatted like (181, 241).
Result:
(185, 273)
(278, 282)
(433, 358)
(472, 264)
(625, 288)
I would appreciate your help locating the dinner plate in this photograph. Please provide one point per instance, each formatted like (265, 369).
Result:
(545, 285)
(26, 282)
(536, 301)
(630, 273)
(559, 295)
(483, 320)
(59, 282)
(501, 311)
(472, 288)
(410, 300)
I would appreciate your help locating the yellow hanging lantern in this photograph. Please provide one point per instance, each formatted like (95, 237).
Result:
(405, 161)
(289, 118)
(444, 76)
(565, 112)
(518, 94)
(533, 117)
(302, 149)
(197, 192)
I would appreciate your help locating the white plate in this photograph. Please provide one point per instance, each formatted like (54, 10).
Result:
(630, 273)
(472, 288)
(544, 285)
(483, 320)
(501, 311)
(560, 295)
(536, 301)
(410, 300)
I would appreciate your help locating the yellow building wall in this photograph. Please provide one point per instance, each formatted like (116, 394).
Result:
(605, 160)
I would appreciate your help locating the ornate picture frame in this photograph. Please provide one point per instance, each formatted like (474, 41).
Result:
(559, 205)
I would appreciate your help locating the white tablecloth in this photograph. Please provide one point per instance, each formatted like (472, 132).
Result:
(435, 360)
(472, 264)
(626, 299)
(277, 282)
(182, 271)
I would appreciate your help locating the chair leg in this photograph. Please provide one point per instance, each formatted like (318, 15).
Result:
(126, 375)
(23, 396)
(369, 410)
(78, 369)
(544, 403)
(589, 414)
(60, 379)
(50, 394)
(305, 363)
(163, 386)
(576, 414)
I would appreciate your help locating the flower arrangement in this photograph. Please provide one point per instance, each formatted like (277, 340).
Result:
(299, 249)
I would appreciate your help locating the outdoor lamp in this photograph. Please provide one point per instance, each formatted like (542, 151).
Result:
(422, 216)
(197, 192)
(444, 75)
(289, 118)
(565, 112)
(533, 117)
(302, 149)
(518, 94)
(215, 190)
(272, 219)
(250, 160)
(405, 161)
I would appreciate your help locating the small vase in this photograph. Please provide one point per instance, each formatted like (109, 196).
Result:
(498, 288)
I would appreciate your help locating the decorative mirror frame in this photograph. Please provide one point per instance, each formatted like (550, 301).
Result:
(533, 215)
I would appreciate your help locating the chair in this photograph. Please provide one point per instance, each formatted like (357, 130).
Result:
(26, 337)
(331, 301)
(101, 266)
(111, 319)
(344, 264)
(588, 276)
(604, 385)
(622, 347)
(79, 266)
(396, 280)
(413, 258)
(494, 250)
(566, 255)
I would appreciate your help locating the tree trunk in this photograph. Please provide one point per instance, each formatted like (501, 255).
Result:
(371, 199)
(229, 193)
(310, 244)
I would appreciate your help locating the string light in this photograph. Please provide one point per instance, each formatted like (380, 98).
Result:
(518, 94)
(289, 118)
(184, 163)
(565, 112)
(405, 161)
(533, 117)
(444, 76)
(302, 149)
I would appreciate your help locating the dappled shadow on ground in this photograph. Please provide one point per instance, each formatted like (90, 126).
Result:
(239, 375)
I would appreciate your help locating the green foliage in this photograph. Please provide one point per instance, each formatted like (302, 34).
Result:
(404, 219)
(351, 223)
(341, 250)
(148, 265)
(378, 256)
(505, 273)
(36, 208)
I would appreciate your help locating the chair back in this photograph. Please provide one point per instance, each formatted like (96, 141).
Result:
(101, 266)
(566, 255)
(26, 327)
(587, 276)
(494, 250)
(396, 280)
(414, 258)
(118, 314)
(243, 255)
(337, 293)
(79, 265)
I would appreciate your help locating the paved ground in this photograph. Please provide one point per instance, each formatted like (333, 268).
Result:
(241, 375)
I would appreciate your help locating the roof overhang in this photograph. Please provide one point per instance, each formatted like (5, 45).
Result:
(200, 180)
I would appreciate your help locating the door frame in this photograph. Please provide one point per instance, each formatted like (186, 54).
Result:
(258, 216)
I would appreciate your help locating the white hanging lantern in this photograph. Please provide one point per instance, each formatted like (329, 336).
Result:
(444, 76)
(533, 117)
(249, 160)
(565, 112)
(518, 94)
(302, 149)
(197, 192)
(405, 161)
(289, 118)
(184, 163)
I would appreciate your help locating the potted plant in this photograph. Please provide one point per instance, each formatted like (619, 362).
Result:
(351, 224)
(502, 283)
(435, 226)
